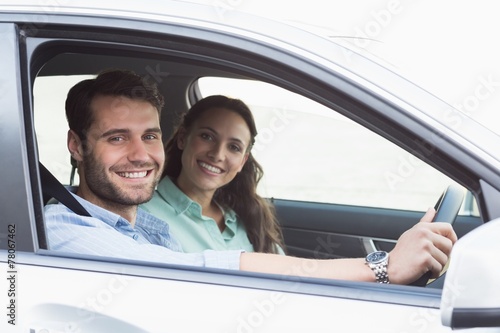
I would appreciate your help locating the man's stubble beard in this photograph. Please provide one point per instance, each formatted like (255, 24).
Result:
(102, 186)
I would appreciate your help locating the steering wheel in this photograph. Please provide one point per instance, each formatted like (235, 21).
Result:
(447, 208)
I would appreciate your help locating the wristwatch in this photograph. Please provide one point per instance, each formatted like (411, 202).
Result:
(378, 262)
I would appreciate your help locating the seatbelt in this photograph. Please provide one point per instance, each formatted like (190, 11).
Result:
(52, 188)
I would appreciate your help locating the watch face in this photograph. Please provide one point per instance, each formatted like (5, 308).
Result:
(376, 257)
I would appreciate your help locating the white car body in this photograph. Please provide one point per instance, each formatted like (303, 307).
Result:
(55, 292)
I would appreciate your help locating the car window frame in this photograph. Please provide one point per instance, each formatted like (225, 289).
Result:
(96, 42)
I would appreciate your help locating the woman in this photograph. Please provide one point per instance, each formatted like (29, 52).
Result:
(208, 189)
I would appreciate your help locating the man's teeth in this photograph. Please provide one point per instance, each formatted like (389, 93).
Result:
(133, 174)
(210, 168)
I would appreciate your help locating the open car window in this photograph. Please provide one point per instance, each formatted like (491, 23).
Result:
(51, 126)
(317, 162)
(312, 153)
(328, 157)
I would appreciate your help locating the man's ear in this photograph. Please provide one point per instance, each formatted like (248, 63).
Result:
(181, 138)
(75, 146)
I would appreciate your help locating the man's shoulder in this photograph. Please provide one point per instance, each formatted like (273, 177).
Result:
(56, 208)
(57, 215)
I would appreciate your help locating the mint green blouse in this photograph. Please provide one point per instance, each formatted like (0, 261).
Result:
(194, 231)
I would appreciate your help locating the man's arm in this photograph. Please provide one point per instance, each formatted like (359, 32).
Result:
(424, 247)
(343, 269)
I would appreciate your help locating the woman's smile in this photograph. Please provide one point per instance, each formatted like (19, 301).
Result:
(209, 167)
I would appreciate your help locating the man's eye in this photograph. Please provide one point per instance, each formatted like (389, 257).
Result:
(116, 139)
(150, 137)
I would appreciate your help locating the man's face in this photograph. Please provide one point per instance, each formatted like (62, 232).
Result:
(123, 156)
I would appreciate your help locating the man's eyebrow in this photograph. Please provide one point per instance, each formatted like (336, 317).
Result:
(153, 130)
(115, 131)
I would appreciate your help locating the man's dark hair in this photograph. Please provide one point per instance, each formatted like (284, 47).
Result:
(107, 83)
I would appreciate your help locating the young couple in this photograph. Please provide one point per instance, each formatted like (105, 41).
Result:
(209, 176)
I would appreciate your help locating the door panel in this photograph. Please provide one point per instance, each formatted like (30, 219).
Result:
(126, 297)
(319, 230)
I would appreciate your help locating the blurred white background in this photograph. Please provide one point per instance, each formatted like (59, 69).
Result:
(448, 47)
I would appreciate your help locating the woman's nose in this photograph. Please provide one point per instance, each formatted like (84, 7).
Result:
(216, 153)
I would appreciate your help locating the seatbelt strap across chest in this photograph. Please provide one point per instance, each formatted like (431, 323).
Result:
(53, 188)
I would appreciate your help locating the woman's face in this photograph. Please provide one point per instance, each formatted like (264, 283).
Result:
(214, 151)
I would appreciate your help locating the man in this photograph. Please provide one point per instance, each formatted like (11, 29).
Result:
(115, 138)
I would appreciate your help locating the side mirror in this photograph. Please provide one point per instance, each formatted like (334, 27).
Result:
(471, 293)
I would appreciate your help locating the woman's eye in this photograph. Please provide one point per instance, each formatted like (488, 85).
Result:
(206, 136)
(235, 148)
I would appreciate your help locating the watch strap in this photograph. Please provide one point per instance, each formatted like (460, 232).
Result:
(380, 271)
(378, 261)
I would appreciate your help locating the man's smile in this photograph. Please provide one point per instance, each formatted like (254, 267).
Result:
(134, 174)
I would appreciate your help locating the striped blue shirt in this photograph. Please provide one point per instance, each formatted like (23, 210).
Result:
(110, 235)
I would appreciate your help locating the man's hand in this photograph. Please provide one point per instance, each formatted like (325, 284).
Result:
(425, 247)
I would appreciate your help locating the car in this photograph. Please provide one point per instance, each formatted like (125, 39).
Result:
(353, 154)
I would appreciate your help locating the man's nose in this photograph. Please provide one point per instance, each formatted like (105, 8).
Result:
(138, 151)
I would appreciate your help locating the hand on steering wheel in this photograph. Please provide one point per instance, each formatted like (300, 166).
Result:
(447, 208)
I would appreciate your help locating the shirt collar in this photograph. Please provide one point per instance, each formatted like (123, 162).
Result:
(100, 213)
(231, 225)
(144, 220)
(174, 196)
(181, 202)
